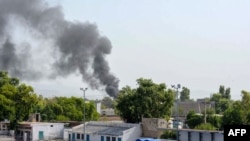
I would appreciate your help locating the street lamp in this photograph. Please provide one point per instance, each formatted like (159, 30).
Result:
(177, 88)
(84, 89)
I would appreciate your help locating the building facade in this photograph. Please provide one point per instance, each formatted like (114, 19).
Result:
(4, 127)
(34, 131)
(104, 131)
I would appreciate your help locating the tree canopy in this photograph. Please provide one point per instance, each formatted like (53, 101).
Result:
(185, 94)
(222, 99)
(107, 102)
(147, 100)
(18, 100)
(239, 112)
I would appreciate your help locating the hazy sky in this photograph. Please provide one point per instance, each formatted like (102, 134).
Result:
(199, 44)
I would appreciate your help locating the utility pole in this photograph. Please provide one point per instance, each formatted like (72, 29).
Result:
(84, 128)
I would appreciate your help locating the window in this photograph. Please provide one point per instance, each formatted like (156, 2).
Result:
(189, 136)
(201, 138)
(78, 136)
(212, 136)
(119, 139)
(113, 138)
(107, 138)
(102, 138)
(51, 125)
(87, 138)
(69, 137)
(82, 136)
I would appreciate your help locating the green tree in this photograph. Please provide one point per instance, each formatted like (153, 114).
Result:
(239, 112)
(107, 102)
(68, 108)
(221, 99)
(147, 100)
(17, 99)
(193, 119)
(168, 135)
(25, 100)
(185, 94)
(225, 92)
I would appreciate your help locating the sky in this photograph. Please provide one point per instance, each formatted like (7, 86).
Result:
(198, 44)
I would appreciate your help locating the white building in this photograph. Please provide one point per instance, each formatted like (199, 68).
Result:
(200, 135)
(4, 127)
(197, 135)
(104, 131)
(108, 112)
(33, 131)
(98, 106)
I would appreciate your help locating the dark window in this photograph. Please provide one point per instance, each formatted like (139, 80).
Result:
(119, 139)
(69, 137)
(51, 125)
(102, 138)
(113, 139)
(189, 136)
(212, 136)
(87, 137)
(107, 138)
(82, 136)
(78, 136)
(201, 138)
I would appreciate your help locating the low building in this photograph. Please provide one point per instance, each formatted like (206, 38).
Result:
(197, 135)
(104, 131)
(33, 131)
(108, 112)
(4, 127)
(200, 135)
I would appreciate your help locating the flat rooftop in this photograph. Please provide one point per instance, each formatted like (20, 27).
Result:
(104, 128)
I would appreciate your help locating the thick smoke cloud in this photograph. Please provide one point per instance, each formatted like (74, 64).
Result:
(78, 46)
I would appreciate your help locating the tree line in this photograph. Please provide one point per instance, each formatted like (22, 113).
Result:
(148, 99)
(152, 100)
(18, 100)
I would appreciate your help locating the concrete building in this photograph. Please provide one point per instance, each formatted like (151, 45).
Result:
(198, 106)
(198, 135)
(4, 127)
(104, 131)
(98, 105)
(34, 131)
(150, 127)
(108, 112)
(201, 135)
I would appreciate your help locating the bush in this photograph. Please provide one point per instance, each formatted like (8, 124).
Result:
(168, 135)
(205, 126)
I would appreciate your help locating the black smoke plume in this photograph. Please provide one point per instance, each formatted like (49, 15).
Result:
(75, 46)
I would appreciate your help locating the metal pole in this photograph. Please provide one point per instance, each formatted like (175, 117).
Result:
(84, 128)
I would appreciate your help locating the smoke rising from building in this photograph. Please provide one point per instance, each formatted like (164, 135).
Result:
(77, 47)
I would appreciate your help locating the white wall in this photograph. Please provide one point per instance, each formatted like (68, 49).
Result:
(66, 134)
(194, 136)
(49, 132)
(219, 137)
(206, 135)
(132, 134)
(183, 136)
(95, 137)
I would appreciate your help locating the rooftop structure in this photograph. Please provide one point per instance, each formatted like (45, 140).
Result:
(96, 131)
